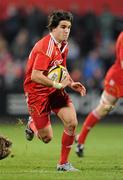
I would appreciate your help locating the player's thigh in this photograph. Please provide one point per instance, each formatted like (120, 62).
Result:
(68, 115)
(61, 104)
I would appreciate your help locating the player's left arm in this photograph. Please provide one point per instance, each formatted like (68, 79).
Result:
(77, 86)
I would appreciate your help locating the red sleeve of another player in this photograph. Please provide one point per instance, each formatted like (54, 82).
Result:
(41, 62)
(121, 52)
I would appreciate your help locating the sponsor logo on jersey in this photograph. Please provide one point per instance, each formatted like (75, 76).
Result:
(56, 62)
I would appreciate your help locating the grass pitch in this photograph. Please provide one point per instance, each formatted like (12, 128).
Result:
(37, 161)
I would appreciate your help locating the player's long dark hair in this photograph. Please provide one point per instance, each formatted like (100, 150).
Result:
(56, 16)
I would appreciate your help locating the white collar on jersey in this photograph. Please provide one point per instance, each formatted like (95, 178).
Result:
(57, 43)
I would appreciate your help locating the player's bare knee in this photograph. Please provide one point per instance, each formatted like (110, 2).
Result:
(71, 126)
(106, 105)
(46, 139)
(73, 123)
(104, 109)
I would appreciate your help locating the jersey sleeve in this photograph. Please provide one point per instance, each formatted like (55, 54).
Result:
(121, 52)
(41, 62)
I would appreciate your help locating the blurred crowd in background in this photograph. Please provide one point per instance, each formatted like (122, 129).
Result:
(91, 45)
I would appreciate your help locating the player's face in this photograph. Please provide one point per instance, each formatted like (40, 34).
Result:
(62, 31)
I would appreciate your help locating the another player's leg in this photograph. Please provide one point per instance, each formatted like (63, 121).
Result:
(91, 120)
(68, 116)
(106, 104)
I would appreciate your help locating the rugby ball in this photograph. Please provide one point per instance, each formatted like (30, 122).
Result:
(57, 73)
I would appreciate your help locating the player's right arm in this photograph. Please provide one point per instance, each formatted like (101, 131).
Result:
(42, 59)
(39, 77)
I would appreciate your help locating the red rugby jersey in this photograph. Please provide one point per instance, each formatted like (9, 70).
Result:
(43, 56)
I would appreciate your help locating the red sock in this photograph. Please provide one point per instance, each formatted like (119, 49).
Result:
(32, 126)
(67, 141)
(90, 121)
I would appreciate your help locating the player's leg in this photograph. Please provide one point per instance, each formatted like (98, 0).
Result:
(68, 116)
(106, 104)
(43, 133)
(39, 123)
(41, 127)
(30, 129)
